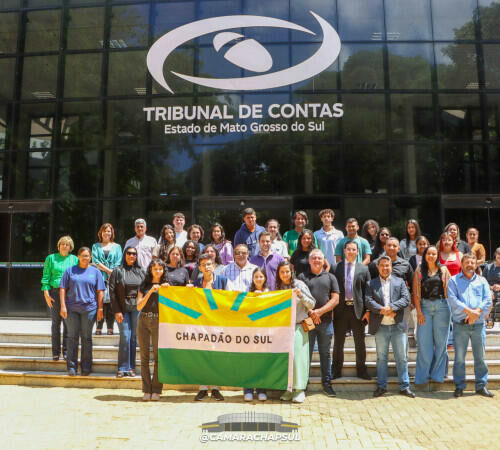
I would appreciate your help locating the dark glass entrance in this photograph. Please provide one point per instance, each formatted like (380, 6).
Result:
(25, 228)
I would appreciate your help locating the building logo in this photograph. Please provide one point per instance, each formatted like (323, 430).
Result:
(244, 52)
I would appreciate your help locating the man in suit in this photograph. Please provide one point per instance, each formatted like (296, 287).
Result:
(386, 298)
(353, 278)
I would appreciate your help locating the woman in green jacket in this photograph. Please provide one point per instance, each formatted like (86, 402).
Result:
(53, 269)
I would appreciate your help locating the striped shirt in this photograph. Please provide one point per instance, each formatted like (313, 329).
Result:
(239, 279)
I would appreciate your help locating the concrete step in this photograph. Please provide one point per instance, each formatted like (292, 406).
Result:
(349, 369)
(104, 380)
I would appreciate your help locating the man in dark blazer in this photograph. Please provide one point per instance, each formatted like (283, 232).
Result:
(353, 278)
(386, 298)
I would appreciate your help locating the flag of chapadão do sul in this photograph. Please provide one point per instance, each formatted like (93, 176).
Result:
(225, 338)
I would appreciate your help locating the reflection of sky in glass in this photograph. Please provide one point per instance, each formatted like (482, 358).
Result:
(360, 20)
(449, 15)
(130, 24)
(275, 8)
(406, 20)
(168, 16)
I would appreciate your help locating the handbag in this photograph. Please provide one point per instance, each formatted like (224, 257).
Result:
(308, 324)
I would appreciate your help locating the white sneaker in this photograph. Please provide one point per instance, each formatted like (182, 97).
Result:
(262, 397)
(146, 397)
(248, 397)
(299, 397)
(155, 397)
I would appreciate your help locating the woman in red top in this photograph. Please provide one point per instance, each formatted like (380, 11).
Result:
(449, 254)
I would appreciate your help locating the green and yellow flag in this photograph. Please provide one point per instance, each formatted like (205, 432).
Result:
(226, 338)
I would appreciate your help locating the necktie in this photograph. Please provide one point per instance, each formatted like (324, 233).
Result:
(348, 284)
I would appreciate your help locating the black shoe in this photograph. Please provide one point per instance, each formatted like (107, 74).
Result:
(327, 389)
(201, 395)
(485, 393)
(55, 358)
(85, 374)
(364, 376)
(407, 393)
(379, 392)
(336, 376)
(217, 395)
(458, 392)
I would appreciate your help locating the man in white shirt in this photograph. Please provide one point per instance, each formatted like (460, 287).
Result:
(328, 236)
(386, 299)
(143, 243)
(179, 220)
(239, 273)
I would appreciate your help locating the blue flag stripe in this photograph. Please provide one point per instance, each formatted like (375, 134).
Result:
(178, 307)
(271, 310)
(210, 298)
(238, 301)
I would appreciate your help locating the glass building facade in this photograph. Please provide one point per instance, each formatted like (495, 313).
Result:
(420, 88)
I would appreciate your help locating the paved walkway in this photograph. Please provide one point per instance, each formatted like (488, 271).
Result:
(62, 418)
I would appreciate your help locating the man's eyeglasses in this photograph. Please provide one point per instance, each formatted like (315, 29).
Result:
(131, 253)
(240, 253)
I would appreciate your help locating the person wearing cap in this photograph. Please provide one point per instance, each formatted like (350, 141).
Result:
(143, 243)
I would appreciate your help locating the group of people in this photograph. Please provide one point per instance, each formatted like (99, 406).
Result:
(341, 283)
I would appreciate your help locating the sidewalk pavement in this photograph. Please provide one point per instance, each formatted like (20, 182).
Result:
(62, 418)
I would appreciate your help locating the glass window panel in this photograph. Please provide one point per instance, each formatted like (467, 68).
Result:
(493, 105)
(4, 125)
(361, 66)
(408, 20)
(321, 161)
(77, 217)
(326, 80)
(35, 3)
(77, 173)
(456, 66)
(85, 28)
(412, 117)
(416, 169)
(7, 68)
(81, 125)
(82, 77)
(129, 26)
(361, 20)
(364, 119)
(8, 32)
(465, 168)
(36, 126)
(489, 13)
(168, 16)
(494, 168)
(410, 66)
(372, 162)
(300, 13)
(492, 65)
(183, 61)
(39, 77)
(127, 73)
(31, 174)
(453, 19)
(42, 31)
(123, 172)
(125, 122)
(8, 4)
(3, 180)
(460, 117)
(276, 8)
(85, 2)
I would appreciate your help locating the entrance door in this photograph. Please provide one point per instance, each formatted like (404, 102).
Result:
(481, 212)
(25, 230)
(227, 212)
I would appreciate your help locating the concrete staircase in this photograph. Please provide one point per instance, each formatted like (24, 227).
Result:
(26, 359)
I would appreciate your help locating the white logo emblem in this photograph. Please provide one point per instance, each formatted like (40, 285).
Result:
(245, 53)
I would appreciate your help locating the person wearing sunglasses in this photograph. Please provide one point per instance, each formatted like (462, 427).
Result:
(124, 284)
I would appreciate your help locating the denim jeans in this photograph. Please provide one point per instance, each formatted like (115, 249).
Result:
(80, 324)
(55, 314)
(391, 334)
(477, 335)
(323, 333)
(432, 337)
(128, 341)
